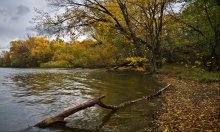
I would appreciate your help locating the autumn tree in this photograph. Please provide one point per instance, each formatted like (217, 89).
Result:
(20, 53)
(41, 51)
(30, 52)
(139, 21)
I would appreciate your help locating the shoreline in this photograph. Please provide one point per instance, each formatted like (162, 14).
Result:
(188, 105)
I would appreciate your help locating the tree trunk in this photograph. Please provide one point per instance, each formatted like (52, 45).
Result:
(153, 62)
(138, 50)
(60, 117)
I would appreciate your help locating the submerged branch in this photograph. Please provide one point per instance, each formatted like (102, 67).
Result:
(60, 117)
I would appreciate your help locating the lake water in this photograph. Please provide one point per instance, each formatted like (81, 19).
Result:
(28, 96)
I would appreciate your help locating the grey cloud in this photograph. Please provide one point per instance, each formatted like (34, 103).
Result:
(13, 15)
(4, 12)
(31, 28)
(15, 18)
(22, 10)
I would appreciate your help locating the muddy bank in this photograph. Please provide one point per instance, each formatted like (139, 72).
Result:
(189, 106)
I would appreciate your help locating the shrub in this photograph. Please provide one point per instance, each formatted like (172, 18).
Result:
(136, 61)
(55, 64)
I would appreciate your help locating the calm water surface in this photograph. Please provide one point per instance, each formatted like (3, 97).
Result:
(27, 96)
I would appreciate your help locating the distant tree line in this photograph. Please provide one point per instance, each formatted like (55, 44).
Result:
(40, 52)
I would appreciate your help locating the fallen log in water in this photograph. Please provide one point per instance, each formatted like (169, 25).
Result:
(60, 117)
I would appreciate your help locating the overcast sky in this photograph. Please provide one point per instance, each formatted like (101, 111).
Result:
(15, 17)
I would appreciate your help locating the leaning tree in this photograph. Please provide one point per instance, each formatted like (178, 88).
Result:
(140, 21)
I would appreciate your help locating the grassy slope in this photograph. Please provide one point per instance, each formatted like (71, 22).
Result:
(190, 73)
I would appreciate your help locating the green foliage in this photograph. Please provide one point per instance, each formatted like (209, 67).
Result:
(5, 59)
(55, 64)
(191, 73)
(193, 39)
